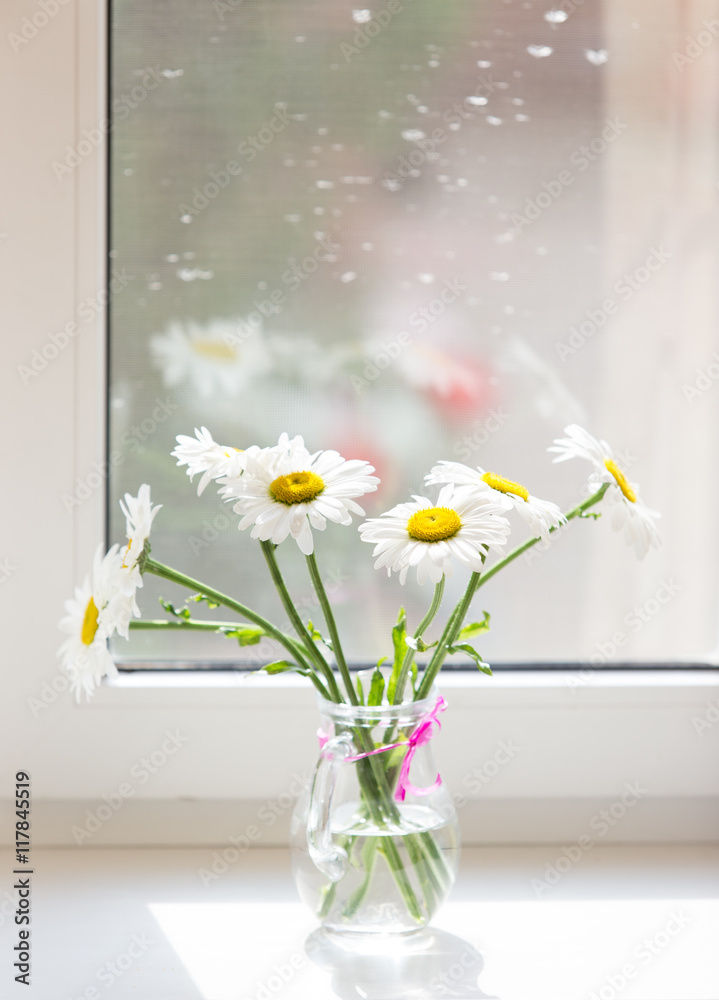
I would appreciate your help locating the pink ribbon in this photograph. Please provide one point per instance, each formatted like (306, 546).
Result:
(422, 734)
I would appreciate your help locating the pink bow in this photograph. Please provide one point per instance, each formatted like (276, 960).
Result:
(422, 734)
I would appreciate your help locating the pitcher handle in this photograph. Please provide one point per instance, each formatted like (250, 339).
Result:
(329, 858)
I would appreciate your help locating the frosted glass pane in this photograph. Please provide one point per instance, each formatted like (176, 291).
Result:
(439, 230)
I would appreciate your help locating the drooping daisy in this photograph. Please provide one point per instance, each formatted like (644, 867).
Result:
(96, 612)
(540, 515)
(203, 454)
(222, 355)
(284, 490)
(629, 514)
(139, 515)
(463, 524)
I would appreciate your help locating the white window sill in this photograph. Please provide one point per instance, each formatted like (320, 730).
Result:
(525, 688)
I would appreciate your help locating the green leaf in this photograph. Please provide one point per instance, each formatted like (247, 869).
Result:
(419, 645)
(476, 628)
(380, 662)
(183, 613)
(376, 688)
(399, 636)
(471, 652)
(203, 597)
(360, 692)
(413, 674)
(317, 636)
(281, 666)
(590, 513)
(245, 636)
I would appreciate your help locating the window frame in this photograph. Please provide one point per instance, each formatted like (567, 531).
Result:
(80, 753)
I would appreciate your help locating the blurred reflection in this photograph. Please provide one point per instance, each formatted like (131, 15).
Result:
(431, 963)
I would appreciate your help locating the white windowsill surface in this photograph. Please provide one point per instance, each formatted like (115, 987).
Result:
(636, 923)
(555, 687)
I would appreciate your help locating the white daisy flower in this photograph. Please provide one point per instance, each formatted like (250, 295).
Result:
(285, 490)
(629, 514)
(97, 611)
(463, 524)
(203, 454)
(221, 355)
(540, 515)
(139, 515)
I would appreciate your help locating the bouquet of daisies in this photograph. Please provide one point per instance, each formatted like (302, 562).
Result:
(285, 492)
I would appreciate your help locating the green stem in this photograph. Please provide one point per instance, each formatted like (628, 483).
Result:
(476, 581)
(421, 629)
(191, 623)
(174, 576)
(313, 652)
(332, 626)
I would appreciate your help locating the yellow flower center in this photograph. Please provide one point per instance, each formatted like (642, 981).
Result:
(89, 622)
(214, 349)
(621, 480)
(297, 487)
(127, 553)
(505, 485)
(434, 524)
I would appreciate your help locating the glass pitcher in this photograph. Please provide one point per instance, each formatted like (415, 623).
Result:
(375, 839)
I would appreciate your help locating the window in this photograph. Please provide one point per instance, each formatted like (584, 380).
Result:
(418, 231)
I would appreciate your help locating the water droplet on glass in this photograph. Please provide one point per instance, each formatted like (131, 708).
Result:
(300, 38)
(425, 278)
(368, 246)
(128, 171)
(517, 101)
(540, 51)
(323, 131)
(185, 218)
(506, 237)
(170, 74)
(422, 108)
(477, 102)
(597, 57)
(443, 178)
(391, 184)
(172, 258)
(556, 16)
(521, 118)
(542, 251)
(454, 126)
(384, 114)
(413, 134)
(499, 276)
(348, 276)
(155, 286)
(292, 217)
(319, 210)
(337, 147)
(361, 16)
(193, 273)
(462, 182)
(491, 120)
(483, 63)
(325, 185)
(433, 64)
